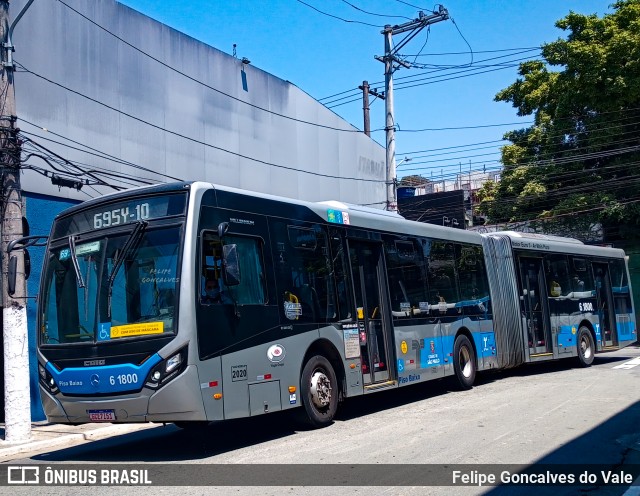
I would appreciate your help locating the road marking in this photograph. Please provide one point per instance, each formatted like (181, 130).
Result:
(629, 365)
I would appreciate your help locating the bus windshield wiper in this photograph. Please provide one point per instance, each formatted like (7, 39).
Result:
(132, 240)
(74, 261)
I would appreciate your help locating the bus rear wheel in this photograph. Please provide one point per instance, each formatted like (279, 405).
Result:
(319, 391)
(586, 347)
(464, 362)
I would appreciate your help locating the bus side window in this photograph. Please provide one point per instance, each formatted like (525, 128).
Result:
(210, 266)
(582, 282)
(406, 271)
(442, 273)
(557, 275)
(341, 278)
(304, 271)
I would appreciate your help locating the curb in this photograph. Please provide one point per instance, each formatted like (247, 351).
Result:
(10, 452)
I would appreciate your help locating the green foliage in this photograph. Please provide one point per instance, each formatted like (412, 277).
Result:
(581, 153)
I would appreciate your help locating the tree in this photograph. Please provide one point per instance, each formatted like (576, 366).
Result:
(582, 152)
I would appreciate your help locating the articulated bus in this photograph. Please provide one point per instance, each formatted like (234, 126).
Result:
(191, 303)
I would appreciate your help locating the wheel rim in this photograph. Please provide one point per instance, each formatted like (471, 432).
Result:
(464, 358)
(585, 346)
(320, 389)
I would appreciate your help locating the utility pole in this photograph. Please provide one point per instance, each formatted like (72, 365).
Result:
(366, 91)
(14, 312)
(389, 58)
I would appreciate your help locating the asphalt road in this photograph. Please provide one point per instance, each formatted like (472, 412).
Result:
(535, 415)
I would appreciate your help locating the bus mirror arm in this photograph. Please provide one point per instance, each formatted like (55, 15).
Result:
(223, 227)
(21, 244)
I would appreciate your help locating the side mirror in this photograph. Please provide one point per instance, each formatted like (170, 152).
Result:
(12, 271)
(231, 274)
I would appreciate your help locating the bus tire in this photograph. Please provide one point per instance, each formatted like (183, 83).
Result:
(586, 347)
(464, 362)
(319, 392)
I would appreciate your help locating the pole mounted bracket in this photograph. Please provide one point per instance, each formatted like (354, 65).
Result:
(8, 44)
(9, 48)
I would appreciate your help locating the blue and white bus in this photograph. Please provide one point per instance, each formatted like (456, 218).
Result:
(193, 303)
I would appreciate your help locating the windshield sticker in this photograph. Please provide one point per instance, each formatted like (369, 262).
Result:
(125, 331)
(104, 331)
(292, 310)
(351, 341)
(88, 248)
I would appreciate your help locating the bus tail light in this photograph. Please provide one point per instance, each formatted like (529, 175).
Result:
(167, 369)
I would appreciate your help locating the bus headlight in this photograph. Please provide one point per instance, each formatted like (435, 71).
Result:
(173, 362)
(47, 381)
(167, 369)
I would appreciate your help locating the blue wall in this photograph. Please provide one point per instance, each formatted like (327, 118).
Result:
(40, 212)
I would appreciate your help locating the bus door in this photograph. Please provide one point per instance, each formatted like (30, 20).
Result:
(367, 271)
(604, 300)
(535, 307)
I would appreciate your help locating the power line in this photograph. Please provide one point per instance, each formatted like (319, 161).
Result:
(462, 36)
(433, 80)
(203, 143)
(633, 138)
(122, 178)
(94, 151)
(525, 49)
(373, 13)
(451, 147)
(458, 128)
(338, 17)
(78, 169)
(466, 67)
(563, 134)
(441, 69)
(161, 62)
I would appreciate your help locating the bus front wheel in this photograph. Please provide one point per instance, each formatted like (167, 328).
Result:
(319, 391)
(464, 362)
(586, 347)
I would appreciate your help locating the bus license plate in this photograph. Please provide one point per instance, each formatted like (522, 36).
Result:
(102, 415)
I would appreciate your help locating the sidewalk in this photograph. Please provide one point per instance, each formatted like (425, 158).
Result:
(48, 437)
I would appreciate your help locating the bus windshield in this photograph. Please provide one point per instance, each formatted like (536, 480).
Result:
(113, 287)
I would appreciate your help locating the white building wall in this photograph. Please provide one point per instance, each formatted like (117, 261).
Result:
(225, 138)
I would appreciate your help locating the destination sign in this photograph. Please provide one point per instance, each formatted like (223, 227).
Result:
(121, 212)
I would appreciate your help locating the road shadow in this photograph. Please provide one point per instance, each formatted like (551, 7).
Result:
(612, 446)
(169, 443)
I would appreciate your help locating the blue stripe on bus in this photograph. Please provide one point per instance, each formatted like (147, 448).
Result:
(567, 336)
(107, 379)
(438, 351)
(626, 330)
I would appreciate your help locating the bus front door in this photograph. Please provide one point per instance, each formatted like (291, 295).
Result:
(604, 300)
(367, 271)
(535, 307)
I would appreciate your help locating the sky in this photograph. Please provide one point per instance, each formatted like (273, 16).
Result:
(445, 112)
